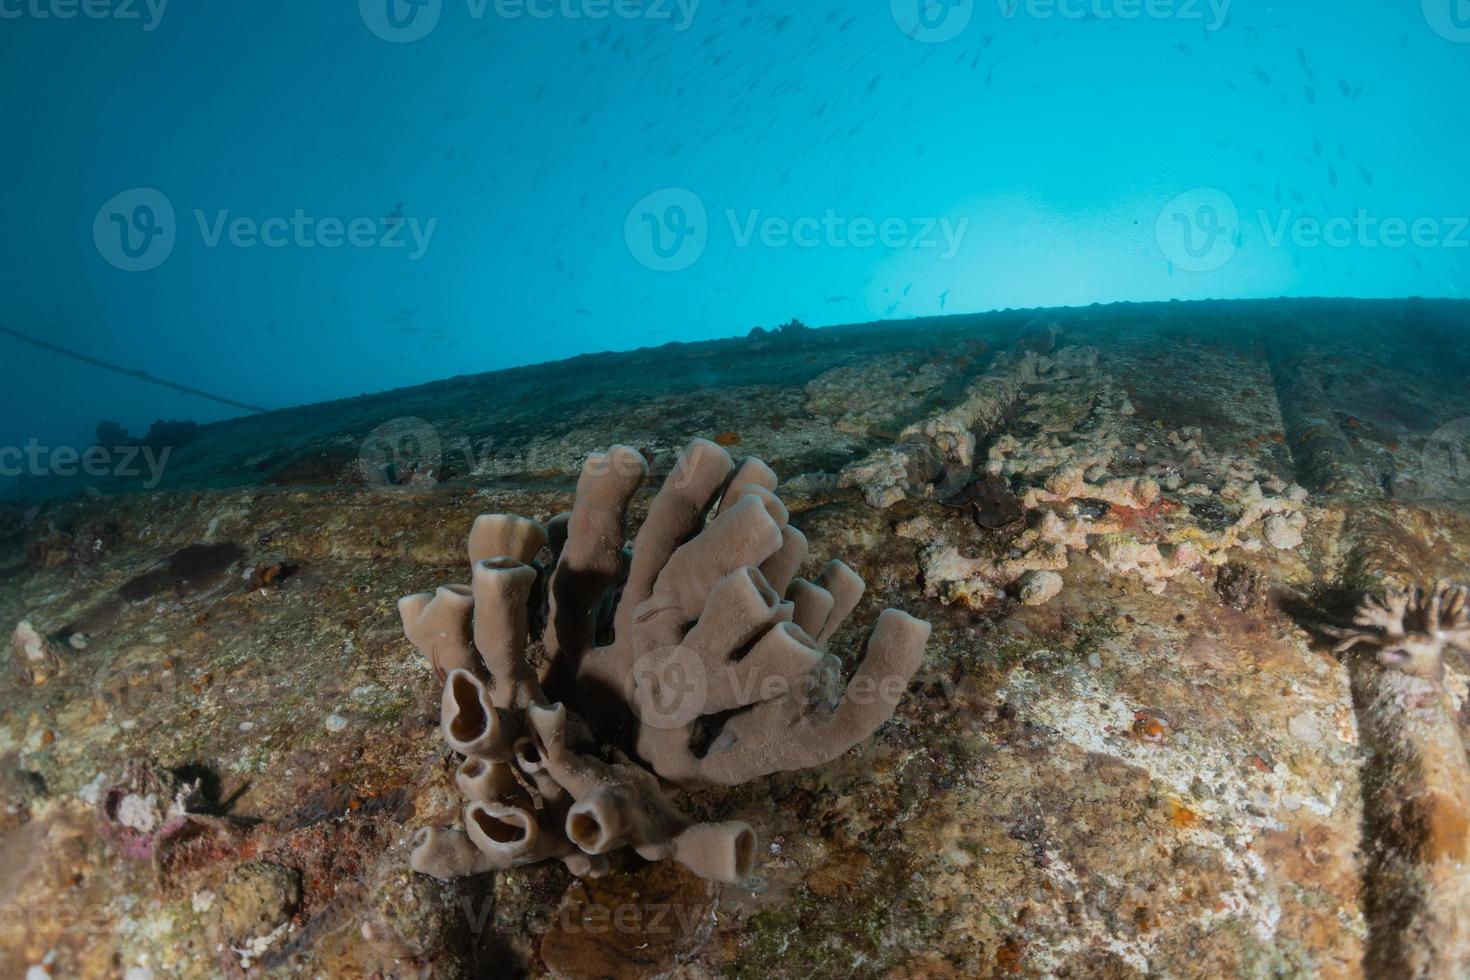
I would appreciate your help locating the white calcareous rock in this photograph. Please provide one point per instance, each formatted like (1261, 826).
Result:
(1039, 588)
(1282, 532)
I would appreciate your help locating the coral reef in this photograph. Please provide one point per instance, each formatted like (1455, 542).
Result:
(146, 809)
(1114, 784)
(1410, 630)
(704, 672)
(1173, 509)
(942, 447)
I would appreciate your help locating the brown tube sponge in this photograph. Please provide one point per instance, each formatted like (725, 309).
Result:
(473, 726)
(438, 623)
(694, 656)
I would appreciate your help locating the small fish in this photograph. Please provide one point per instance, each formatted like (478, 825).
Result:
(943, 298)
(1264, 77)
(1367, 177)
(1311, 94)
(1184, 49)
(1344, 87)
(1316, 147)
(1331, 175)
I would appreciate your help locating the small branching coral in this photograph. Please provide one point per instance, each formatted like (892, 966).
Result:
(695, 657)
(1411, 630)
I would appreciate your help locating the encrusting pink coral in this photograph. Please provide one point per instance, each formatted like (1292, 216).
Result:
(713, 669)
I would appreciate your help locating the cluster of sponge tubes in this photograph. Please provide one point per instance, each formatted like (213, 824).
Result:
(693, 656)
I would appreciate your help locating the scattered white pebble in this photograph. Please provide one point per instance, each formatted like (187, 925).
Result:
(1305, 727)
(31, 644)
(336, 723)
(1039, 588)
(138, 812)
(1281, 533)
(37, 973)
(246, 726)
(91, 793)
(203, 900)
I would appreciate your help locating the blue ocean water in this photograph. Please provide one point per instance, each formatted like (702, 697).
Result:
(280, 203)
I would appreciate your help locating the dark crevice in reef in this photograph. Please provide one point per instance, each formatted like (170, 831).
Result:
(191, 570)
(1324, 459)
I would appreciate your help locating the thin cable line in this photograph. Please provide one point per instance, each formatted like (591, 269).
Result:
(138, 373)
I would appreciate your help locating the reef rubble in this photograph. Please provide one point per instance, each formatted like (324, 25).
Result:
(1129, 748)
